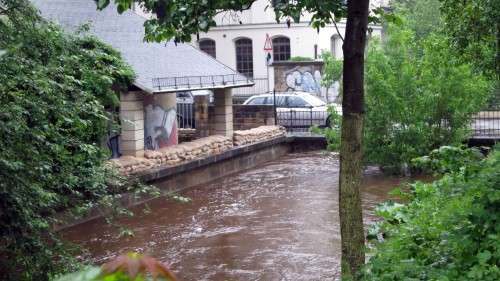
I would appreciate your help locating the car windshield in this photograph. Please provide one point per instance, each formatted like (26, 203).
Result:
(314, 101)
(257, 101)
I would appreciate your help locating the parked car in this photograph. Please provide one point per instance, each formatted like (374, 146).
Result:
(297, 109)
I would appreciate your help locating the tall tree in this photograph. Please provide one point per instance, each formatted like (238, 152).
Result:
(180, 19)
(351, 155)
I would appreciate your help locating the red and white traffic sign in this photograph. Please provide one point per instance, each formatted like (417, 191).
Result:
(268, 46)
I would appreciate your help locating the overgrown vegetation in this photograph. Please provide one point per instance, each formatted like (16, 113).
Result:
(450, 228)
(299, 59)
(56, 103)
(421, 92)
(419, 97)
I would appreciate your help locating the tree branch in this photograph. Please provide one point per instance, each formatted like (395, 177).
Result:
(337, 28)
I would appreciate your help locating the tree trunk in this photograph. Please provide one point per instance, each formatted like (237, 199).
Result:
(351, 219)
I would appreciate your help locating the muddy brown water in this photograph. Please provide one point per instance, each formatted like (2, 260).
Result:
(275, 222)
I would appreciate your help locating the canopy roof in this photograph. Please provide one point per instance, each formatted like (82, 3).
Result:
(160, 67)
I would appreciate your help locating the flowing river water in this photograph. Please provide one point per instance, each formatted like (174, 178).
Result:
(278, 221)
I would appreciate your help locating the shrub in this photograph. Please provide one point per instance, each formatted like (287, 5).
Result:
(54, 92)
(449, 230)
(419, 97)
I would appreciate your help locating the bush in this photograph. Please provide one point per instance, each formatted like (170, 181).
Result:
(54, 92)
(419, 97)
(450, 230)
(332, 133)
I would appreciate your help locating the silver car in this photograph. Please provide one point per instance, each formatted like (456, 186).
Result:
(297, 110)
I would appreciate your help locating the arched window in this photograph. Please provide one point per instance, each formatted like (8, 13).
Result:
(281, 48)
(208, 46)
(244, 56)
(336, 45)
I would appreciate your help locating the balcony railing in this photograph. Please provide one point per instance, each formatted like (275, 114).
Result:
(196, 82)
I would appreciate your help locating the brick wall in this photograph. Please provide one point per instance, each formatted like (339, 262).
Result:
(248, 116)
(252, 116)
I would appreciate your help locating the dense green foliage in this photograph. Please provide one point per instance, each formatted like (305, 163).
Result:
(474, 30)
(419, 96)
(422, 16)
(54, 92)
(420, 93)
(450, 228)
(332, 71)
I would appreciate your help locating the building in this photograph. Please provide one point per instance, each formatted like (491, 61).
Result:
(239, 41)
(148, 109)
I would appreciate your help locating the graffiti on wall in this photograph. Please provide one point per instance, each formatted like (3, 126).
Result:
(160, 126)
(305, 80)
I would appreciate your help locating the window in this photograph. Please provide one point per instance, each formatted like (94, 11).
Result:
(280, 100)
(335, 40)
(208, 46)
(297, 102)
(257, 101)
(281, 48)
(244, 57)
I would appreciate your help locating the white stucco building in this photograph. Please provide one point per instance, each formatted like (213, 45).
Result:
(239, 39)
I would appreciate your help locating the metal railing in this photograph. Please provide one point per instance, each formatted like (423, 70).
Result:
(301, 119)
(185, 115)
(194, 82)
(486, 124)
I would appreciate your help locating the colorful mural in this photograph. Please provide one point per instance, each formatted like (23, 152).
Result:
(298, 79)
(160, 126)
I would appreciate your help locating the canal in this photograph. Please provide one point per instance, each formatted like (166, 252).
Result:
(275, 222)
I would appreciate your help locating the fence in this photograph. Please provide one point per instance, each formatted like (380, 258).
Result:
(486, 124)
(185, 115)
(301, 119)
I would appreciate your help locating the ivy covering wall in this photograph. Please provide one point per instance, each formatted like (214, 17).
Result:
(56, 92)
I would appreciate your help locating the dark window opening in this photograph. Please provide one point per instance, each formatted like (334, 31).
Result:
(208, 46)
(244, 57)
(281, 48)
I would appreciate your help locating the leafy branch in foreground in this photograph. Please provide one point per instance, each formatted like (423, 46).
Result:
(130, 267)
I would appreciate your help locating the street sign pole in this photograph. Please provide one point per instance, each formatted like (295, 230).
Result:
(268, 49)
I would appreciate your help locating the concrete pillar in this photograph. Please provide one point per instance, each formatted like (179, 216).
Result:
(223, 112)
(132, 123)
(201, 116)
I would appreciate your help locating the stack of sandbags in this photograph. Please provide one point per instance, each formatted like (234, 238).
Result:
(128, 165)
(164, 156)
(172, 155)
(258, 134)
(189, 150)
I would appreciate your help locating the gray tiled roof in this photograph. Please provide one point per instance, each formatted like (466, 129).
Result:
(150, 61)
